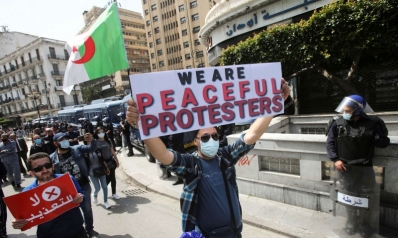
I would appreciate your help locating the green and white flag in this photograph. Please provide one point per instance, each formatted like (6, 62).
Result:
(98, 52)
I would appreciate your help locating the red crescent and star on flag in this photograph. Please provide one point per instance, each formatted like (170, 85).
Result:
(88, 54)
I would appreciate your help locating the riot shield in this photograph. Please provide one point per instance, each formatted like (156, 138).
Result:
(356, 200)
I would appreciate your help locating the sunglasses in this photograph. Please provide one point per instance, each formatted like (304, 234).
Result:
(39, 168)
(206, 137)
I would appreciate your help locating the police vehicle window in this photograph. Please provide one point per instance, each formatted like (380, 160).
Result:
(276, 164)
(86, 115)
(104, 112)
(79, 115)
(113, 111)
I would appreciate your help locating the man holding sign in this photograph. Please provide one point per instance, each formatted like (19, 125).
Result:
(209, 201)
(67, 224)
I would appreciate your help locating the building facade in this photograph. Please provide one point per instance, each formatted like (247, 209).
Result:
(172, 27)
(31, 77)
(135, 41)
(232, 21)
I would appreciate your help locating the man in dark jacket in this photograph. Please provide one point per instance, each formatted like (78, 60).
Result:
(126, 133)
(73, 135)
(39, 146)
(88, 127)
(70, 159)
(68, 224)
(49, 141)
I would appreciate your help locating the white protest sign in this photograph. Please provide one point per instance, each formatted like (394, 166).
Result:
(177, 101)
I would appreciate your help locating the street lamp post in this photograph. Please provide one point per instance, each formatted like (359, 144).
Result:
(35, 95)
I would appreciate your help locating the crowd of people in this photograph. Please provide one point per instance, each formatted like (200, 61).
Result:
(56, 150)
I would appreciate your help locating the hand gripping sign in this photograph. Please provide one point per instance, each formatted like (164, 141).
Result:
(171, 102)
(43, 203)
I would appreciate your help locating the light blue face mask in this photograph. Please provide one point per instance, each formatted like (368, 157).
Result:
(209, 148)
(347, 116)
(38, 141)
(65, 144)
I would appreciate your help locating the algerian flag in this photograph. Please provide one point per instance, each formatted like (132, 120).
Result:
(98, 52)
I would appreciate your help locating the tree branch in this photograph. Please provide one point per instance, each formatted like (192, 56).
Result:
(343, 84)
(354, 66)
(298, 72)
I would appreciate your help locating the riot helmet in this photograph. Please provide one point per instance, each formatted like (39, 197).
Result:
(106, 120)
(356, 102)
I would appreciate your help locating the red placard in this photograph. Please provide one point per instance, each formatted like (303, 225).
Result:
(43, 203)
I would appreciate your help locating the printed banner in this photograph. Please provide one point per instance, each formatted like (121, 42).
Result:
(44, 203)
(177, 101)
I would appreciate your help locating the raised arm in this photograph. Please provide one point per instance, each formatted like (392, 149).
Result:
(260, 125)
(155, 145)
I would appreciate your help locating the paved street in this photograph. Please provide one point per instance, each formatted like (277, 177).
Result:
(139, 213)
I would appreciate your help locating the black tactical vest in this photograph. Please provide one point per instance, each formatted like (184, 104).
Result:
(354, 144)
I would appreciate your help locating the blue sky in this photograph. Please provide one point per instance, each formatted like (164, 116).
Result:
(55, 19)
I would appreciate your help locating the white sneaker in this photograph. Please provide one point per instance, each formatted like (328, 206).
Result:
(95, 200)
(107, 206)
(115, 196)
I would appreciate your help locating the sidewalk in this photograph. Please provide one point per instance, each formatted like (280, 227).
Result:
(281, 218)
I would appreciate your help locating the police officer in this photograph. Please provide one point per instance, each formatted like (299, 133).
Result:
(351, 141)
(109, 131)
(88, 127)
(99, 121)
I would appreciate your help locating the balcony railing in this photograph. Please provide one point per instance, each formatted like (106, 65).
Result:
(58, 57)
(57, 72)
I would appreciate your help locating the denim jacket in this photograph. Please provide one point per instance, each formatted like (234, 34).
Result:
(77, 152)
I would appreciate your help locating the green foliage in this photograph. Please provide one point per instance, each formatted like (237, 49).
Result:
(90, 93)
(331, 39)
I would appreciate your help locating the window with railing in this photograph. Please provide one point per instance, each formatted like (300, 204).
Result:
(184, 32)
(158, 41)
(148, 23)
(153, 66)
(187, 56)
(193, 4)
(195, 17)
(196, 29)
(152, 55)
(153, 7)
(157, 30)
(197, 42)
(182, 20)
(181, 8)
(186, 44)
(161, 63)
(160, 52)
(150, 44)
(146, 12)
(155, 18)
(199, 54)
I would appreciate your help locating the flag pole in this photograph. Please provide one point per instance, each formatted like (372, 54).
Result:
(131, 90)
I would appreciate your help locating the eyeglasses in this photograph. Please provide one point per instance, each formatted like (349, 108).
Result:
(39, 168)
(206, 137)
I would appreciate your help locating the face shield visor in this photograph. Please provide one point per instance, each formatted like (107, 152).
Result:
(349, 102)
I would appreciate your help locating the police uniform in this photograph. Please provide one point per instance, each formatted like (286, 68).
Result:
(352, 140)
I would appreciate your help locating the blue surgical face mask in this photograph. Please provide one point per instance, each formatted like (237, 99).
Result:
(65, 144)
(209, 148)
(38, 141)
(101, 135)
(347, 116)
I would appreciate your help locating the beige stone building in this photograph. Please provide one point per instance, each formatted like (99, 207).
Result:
(134, 34)
(172, 28)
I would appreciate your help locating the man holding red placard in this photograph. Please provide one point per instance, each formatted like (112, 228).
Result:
(68, 224)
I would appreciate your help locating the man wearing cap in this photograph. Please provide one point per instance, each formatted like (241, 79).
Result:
(69, 159)
(49, 141)
(73, 135)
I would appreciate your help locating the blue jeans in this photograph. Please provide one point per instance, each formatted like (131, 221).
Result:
(96, 182)
(86, 208)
